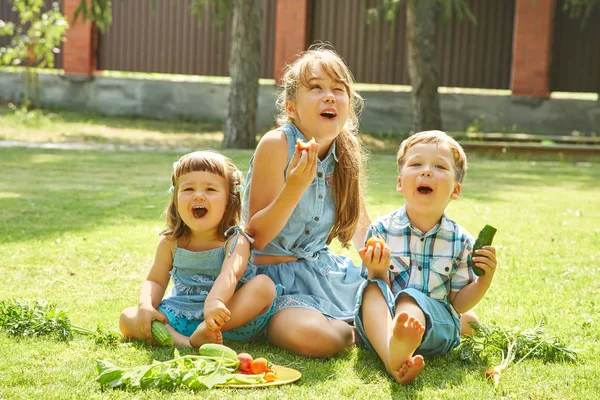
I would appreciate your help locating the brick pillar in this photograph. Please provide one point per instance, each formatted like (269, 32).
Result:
(79, 51)
(532, 48)
(291, 32)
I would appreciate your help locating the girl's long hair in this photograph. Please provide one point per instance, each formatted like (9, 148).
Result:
(209, 161)
(348, 173)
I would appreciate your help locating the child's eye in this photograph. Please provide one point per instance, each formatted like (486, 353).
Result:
(315, 87)
(188, 189)
(440, 166)
(415, 165)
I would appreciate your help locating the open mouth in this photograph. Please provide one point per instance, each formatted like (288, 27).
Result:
(424, 189)
(199, 211)
(329, 114)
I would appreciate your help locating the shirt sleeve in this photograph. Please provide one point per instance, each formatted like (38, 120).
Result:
(464, 274)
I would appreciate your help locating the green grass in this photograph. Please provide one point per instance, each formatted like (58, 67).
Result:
(79, 228)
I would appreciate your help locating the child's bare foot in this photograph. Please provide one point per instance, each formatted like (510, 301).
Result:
(410, 369)
(406, 337)
(203, 335)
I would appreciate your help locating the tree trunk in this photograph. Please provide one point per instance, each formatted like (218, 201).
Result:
(244, 69)
(422, 60)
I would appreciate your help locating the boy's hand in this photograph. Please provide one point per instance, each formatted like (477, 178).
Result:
(145, 315)
(377, 260)
(485, 258)
(216, 314)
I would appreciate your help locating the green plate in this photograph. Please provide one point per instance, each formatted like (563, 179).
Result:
(284, 375)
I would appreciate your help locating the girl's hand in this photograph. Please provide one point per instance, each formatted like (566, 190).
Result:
(145, 315)
(216, 314)
(303, 166)
(377, 260)
(485, 258)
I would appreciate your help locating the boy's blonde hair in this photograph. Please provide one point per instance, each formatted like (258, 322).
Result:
(213, 162)
(349, 170)
(439, 138)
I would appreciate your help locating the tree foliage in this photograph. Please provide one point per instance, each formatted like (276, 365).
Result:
(35, 40)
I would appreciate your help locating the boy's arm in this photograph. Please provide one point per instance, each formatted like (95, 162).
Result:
(216, 313)
(471, 294)
(273, 196)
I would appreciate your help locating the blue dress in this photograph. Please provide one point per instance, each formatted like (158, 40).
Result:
(319, 279)
(193, 275)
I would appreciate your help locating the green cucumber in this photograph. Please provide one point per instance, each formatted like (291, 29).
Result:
(484, 238)
(218, 350)
(161, 334)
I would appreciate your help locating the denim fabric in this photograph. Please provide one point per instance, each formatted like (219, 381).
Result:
(442, 329)
(319, 280)
(193, 275)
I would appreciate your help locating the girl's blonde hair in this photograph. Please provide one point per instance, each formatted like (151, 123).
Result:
(439, 138)
(349, 170)
(213, 162)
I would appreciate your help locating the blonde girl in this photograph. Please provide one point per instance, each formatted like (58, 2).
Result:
(297, 201)
(215, 292)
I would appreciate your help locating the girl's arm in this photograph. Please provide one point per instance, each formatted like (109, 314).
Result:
(274, 196)
(153, 288)
(216, 313)
(360, 234)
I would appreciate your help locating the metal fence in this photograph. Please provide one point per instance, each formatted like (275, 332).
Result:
(168, 39)
(470, 54)
(575, 52)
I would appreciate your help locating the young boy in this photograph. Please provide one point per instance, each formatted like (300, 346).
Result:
(419, 282)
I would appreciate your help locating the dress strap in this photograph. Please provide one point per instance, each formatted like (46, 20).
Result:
(235, 232)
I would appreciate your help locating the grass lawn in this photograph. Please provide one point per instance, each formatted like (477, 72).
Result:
(79, 228)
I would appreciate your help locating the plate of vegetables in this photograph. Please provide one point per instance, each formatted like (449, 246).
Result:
(216, 365)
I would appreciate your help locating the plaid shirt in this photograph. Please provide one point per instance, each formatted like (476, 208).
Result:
(435, 263)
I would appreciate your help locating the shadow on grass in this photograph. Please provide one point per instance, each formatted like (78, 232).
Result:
(447, 370)
(48, 192)
(124, 122)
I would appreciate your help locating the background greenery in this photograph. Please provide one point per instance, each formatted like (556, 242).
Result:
(79, 228)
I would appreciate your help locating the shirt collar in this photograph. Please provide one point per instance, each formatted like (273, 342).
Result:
(403, 222)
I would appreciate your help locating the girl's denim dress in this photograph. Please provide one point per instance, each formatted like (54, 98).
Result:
(193, 275)
(318, 280)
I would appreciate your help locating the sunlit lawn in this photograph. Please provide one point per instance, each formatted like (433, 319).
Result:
(79, 228)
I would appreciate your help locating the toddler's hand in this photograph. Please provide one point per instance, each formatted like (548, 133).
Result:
(146, 314)
(485, 258)
(216, 314)
(377, 260)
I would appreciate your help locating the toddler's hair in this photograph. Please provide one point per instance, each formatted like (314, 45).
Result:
(213, 162)
(349, 170)
(441, 139)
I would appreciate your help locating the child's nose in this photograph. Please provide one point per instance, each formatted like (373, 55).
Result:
(329, 97)
(199, 194)
(426, 172)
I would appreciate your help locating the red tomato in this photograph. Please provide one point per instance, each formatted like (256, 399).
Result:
(259, 365)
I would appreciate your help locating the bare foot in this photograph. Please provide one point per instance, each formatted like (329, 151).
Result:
(203, 335)
(409, 370)
(406, 337)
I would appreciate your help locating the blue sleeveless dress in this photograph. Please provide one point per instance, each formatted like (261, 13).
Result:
(193, 275)
(319, 279)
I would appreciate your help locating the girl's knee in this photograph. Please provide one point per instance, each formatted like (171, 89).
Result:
(323, 340)
(265, 286)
